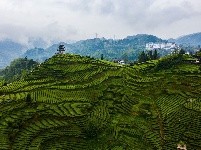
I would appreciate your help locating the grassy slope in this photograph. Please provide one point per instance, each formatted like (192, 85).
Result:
(81, 103)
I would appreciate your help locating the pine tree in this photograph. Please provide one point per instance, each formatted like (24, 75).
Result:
(142, 57)
(101, 56)
(156, 55)
(150, 55)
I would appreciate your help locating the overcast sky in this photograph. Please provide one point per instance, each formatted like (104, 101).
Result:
(66, 20)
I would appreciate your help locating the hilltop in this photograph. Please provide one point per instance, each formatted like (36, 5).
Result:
(76, 102)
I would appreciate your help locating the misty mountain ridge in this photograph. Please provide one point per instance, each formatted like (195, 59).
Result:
(9, 50)
(110, 48)
(192, 39)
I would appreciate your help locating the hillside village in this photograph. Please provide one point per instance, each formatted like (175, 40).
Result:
(166, 46)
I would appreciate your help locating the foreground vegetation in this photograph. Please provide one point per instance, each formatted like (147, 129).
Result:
(74, 102)
(18, 69)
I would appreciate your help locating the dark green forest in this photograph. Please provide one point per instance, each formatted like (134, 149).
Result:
(17, 69)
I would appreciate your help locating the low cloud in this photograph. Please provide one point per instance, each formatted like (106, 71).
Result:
(64, 20)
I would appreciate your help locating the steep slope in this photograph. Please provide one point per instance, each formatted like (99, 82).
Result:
(74, 102)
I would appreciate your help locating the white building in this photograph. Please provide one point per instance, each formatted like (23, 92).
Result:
(121, 62)
(166, 46)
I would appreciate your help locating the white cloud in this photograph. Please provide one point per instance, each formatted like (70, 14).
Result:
(63, 20)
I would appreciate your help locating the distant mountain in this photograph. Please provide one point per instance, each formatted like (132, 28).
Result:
(38, 42)
(171, 40)
(192, 39)
(41, 54)
(131, 45)
(146, 38)
(9, 50)
(36, 54)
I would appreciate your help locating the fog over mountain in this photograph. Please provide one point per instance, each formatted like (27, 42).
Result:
(42, 23)
(10, 50)
(67, 20)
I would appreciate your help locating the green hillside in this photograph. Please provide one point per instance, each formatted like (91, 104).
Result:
(75, 102)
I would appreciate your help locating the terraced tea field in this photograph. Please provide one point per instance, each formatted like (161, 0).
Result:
(75, 102)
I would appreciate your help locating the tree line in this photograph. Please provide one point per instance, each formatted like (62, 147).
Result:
(149, 55)
(18, 69)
